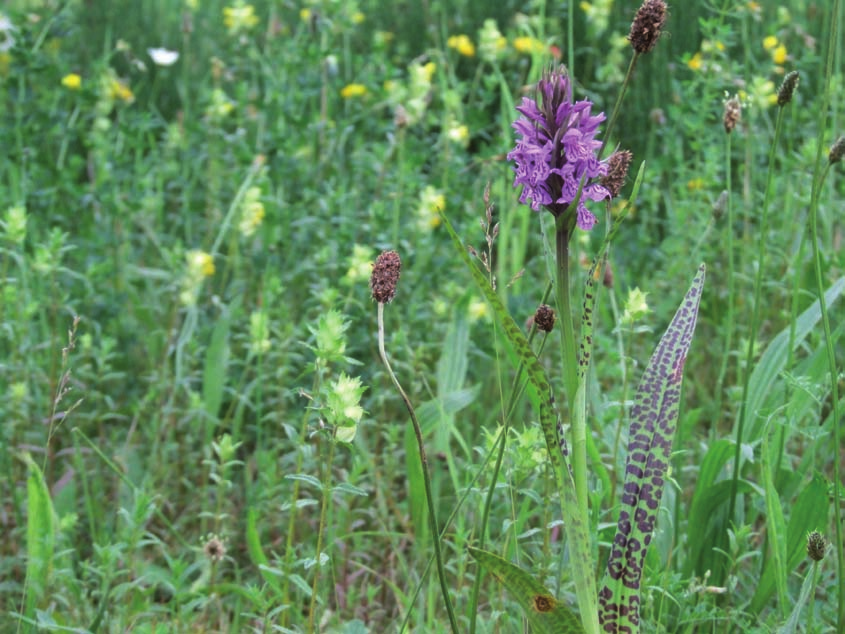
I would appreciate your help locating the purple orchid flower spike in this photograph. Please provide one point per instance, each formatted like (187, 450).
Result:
(557, 153)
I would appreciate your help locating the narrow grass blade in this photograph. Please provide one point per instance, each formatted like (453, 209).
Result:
(775, 524)
(773, 360)
(809, 513)
(654, 419)
(256, 552)
(545, 613)
(40, 537)
(576, 526)
(214, 373)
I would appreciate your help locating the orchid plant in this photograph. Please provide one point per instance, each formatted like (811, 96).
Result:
(557, 163)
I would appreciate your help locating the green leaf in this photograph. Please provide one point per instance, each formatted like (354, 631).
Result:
(216, 363)
(40, 537)
(308, 479)
(654, 419)
(543, 398)
(773, 360)
(256, 552)
(545, 613)
(775, 525)
(809, 513)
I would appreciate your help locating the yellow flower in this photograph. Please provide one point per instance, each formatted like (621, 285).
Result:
(695, 62)
(200, 263)
(72, 81)
(462, 44)
(240, 17)
(358, 17)
(695, 184)
(220, 105)
(770, 42)
(119, 90)
(528, 45)
(478, 309)
(779, 55)
(305, 14)
(428, 70)
(459, 134)
(432, 202)
(353, 90)
(754, 6)
(252, 211)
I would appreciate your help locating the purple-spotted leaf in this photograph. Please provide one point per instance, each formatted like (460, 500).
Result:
(545, 613)
(580, 545)
(654, 418)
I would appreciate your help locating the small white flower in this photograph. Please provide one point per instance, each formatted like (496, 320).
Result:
(162, 56)
(7, 29)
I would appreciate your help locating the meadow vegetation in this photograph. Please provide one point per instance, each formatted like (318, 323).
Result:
(209, 423)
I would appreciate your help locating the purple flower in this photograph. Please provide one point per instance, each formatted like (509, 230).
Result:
(557, 152)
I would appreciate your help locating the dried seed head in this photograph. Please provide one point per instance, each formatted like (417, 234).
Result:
(385, 276)
(790, 83)
(617, 172)
(837, 151)
(816, 546)
(544, 318)
(647, 25)
(214, 548)
(733, 114)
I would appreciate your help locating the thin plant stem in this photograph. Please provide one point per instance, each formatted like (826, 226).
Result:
(432, 513)
(833, 39)
(754, 327)
(611, 122)
(291, 531)
(729, 320)
(326, 501)
(834, 394)
(569, 357)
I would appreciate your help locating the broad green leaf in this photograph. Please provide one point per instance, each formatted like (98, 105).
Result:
(40, 537)
(654, 419)
(545, 613)
(701, 506)
(576, 524)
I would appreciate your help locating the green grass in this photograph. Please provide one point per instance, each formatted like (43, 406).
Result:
(175, 461)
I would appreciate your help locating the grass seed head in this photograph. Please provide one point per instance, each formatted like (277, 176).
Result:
(816, 546)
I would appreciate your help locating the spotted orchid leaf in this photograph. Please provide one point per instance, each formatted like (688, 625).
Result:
(545, 613)
(654, 419)
(576, 525)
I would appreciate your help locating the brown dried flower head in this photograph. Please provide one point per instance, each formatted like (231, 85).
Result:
(544, 318)
(214, 548)
(385, 276)
(733, 114)
(837, 151)
(816, 546)
(617, 172)
(647, 25)
(787, 88)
